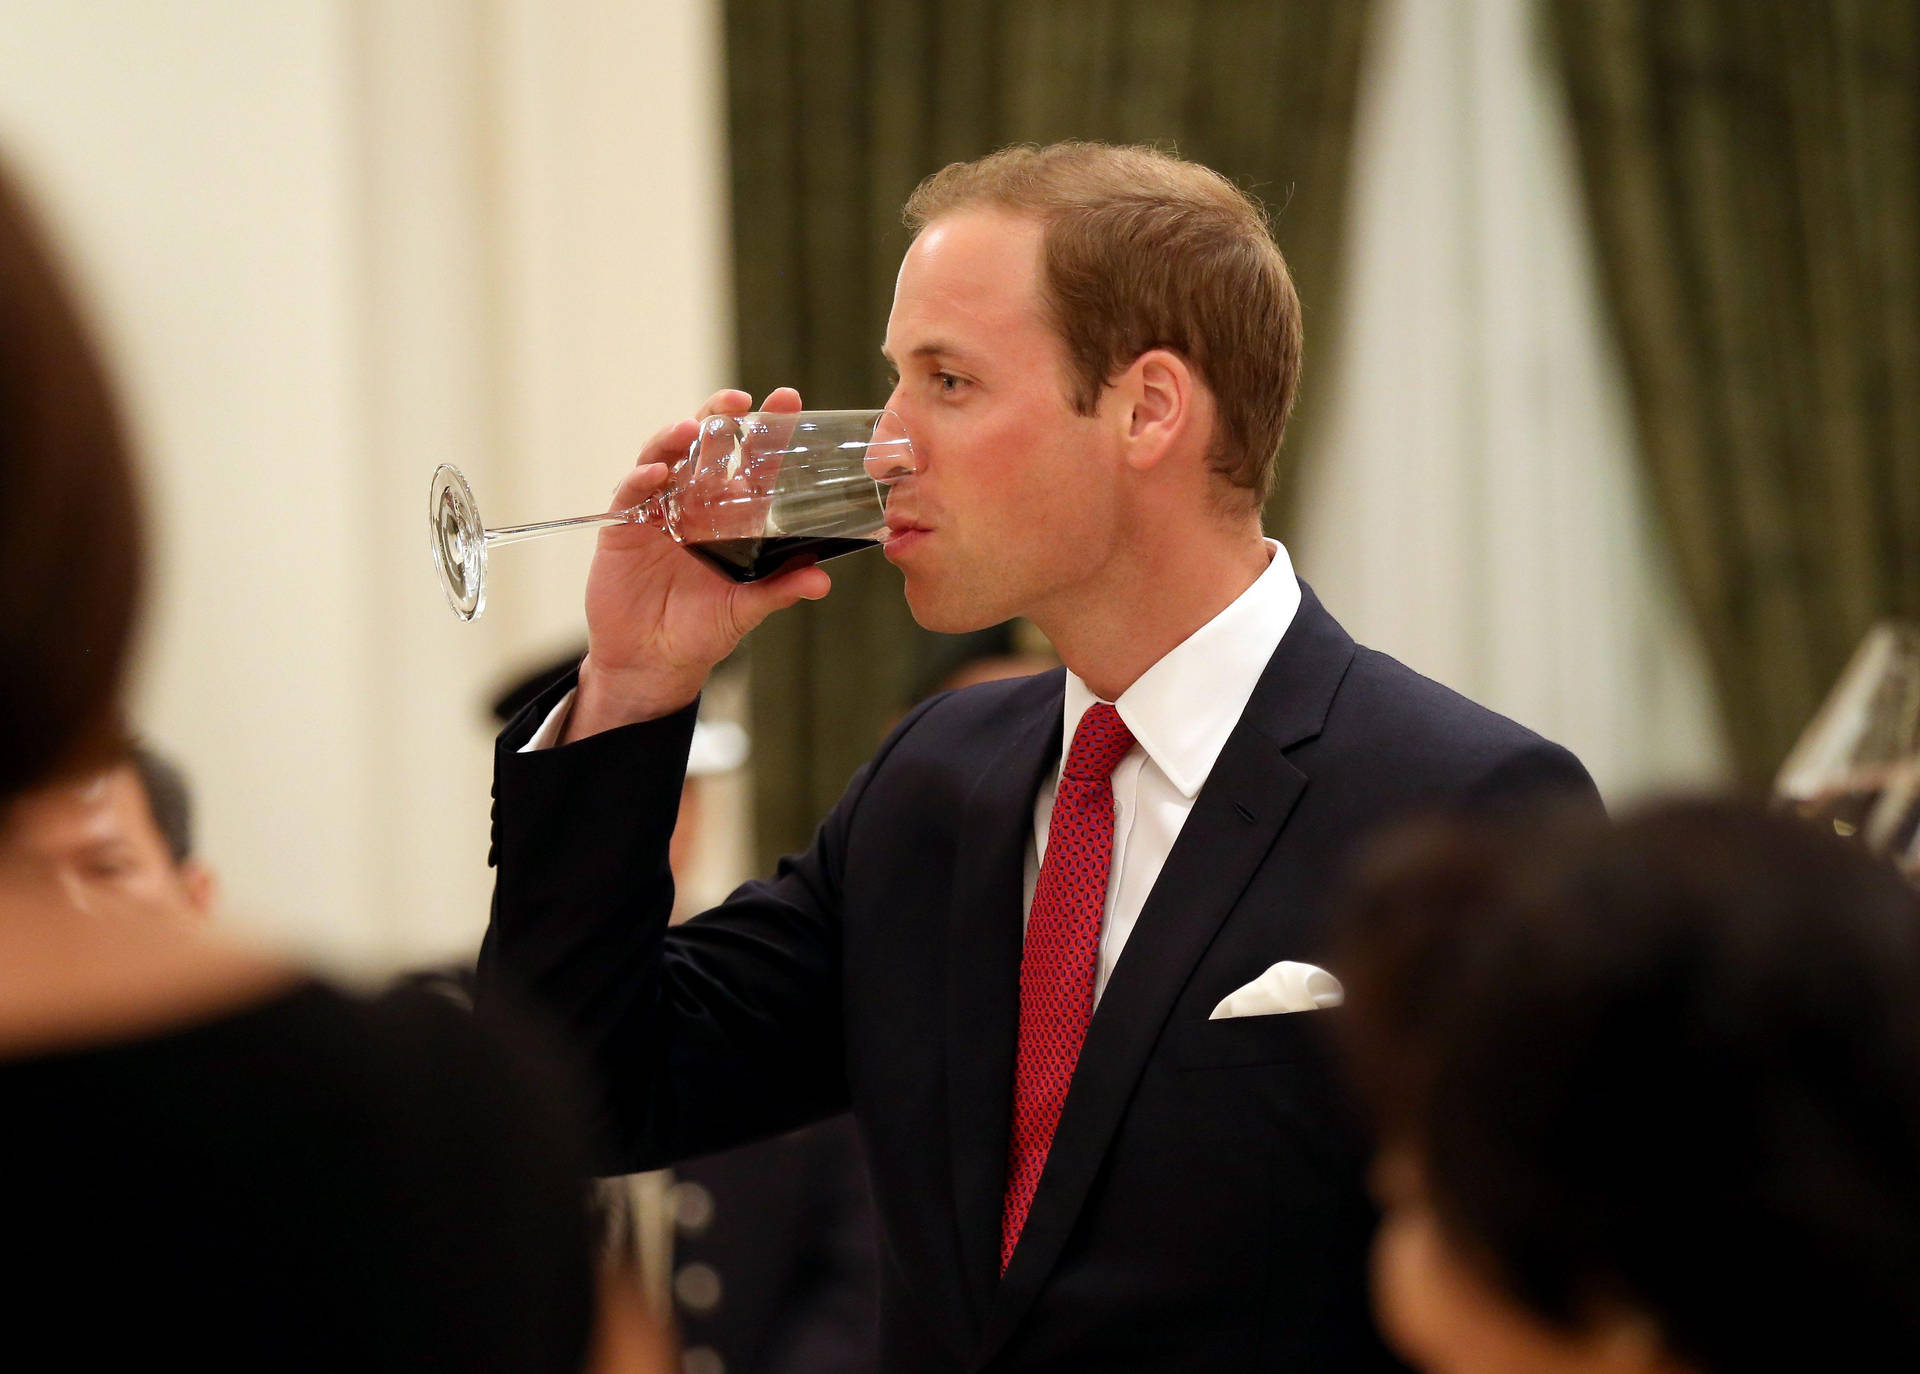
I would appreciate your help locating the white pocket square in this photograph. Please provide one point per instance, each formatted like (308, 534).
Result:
(1287, 986)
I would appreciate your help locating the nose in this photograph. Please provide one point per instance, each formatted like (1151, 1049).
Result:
(891, 455)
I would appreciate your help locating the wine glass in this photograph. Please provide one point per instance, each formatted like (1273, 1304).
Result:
(754, 493)
(1893, 826)
(1856, 767)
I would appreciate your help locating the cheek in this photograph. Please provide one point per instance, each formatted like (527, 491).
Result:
(140, 886)
(157, 882)
(1429, 1311)
(1403, 1281)
(1443, 1317)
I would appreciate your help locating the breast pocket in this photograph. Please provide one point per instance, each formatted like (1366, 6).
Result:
(1276, 1039)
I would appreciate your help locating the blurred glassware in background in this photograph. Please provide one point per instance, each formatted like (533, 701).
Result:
(753, 493)
(1856, 767)
(1893, 826)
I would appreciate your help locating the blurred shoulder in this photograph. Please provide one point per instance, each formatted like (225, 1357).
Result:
(429, 1067)
(392, 1159)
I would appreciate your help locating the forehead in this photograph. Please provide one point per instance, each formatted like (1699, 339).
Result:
(970, 281)
(110, 806)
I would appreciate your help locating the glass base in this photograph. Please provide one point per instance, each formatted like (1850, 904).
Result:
(458, 541)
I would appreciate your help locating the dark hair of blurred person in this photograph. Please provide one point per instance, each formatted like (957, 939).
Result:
(1648, 1095)
(169, 801)
(208, 1155)
(70, 536)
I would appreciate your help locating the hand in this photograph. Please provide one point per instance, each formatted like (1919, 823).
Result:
(658, 618)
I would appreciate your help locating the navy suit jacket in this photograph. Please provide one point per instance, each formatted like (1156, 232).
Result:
(1202, 1207)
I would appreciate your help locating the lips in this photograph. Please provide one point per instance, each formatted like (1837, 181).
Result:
(903, 532)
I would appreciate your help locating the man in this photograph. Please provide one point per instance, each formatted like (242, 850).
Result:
(124, 835)
(1007, 944)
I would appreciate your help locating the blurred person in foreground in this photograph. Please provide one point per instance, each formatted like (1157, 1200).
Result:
(210, 1157)
(124, 834)
(1015, 944)
(1648, 1096)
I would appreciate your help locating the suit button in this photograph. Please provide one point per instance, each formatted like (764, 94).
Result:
(692, 1208)
(697, 1288)
(702, 1359)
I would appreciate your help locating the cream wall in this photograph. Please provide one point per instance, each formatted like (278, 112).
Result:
(330, 245)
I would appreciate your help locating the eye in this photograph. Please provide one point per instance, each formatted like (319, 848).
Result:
(893, 378)
(948, 382)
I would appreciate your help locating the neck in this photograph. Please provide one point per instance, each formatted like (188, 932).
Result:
(1148, 601)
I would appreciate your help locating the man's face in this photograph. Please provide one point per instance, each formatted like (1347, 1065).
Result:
(100, 842)
(1016, 506)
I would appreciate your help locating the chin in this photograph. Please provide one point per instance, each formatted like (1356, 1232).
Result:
(941, 611)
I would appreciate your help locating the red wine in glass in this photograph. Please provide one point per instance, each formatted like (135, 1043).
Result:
(749, 560)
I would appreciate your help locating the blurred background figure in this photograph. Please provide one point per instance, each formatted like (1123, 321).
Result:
(1856, 767)
(211, 1157)
(1648, 1096)
(773, 1267)
(125, 832)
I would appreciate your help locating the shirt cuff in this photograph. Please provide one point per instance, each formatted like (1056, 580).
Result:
(548, 735)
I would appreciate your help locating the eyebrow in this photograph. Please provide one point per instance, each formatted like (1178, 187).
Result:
(937, 348)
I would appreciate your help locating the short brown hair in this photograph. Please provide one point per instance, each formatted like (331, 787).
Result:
(1144, 250)
(70, 538)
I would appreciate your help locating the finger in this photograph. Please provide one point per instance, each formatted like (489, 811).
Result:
(670, 444)
(725, 403)
(661, 433)
(755, 601)
(782, 399)
(642, 480)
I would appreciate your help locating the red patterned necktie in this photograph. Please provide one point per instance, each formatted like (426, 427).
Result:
(1061, 955)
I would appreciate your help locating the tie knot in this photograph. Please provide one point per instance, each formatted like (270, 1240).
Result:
(1100, 741)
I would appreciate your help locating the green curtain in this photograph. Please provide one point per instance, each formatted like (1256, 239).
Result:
(839, 107)
(1753, 174)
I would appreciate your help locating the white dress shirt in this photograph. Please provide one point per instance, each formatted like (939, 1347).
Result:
(1180, 711)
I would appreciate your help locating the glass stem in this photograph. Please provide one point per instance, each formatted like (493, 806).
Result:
(513, 534)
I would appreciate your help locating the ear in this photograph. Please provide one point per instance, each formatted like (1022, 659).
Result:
(1159, 389)
(201, 887)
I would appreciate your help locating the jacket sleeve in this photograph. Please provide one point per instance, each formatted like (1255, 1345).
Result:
(718, 1031)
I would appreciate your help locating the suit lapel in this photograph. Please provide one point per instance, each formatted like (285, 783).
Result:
(1236, 819)
(983, 998)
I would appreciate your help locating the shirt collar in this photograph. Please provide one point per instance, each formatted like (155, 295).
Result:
(1182, 709)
